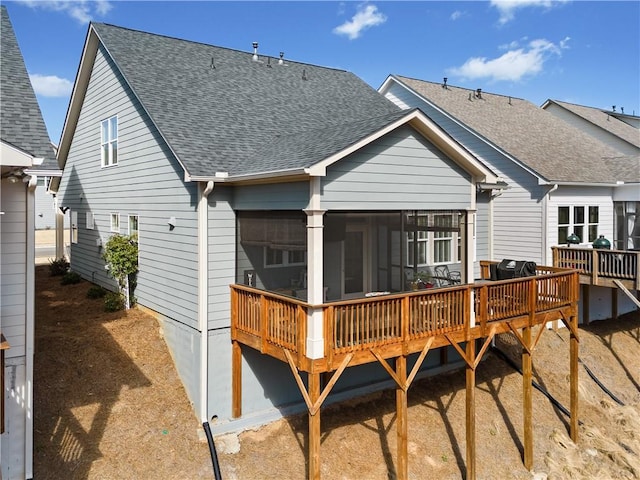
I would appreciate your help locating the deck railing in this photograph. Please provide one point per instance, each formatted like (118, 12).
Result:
(362, 324)
(271, 322)
(600, 265)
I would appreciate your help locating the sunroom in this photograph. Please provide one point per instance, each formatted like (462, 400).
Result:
(364, 253)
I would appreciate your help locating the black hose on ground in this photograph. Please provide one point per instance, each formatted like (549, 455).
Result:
(599, 383)
(595, 379)
(212, 450)
(536, 385)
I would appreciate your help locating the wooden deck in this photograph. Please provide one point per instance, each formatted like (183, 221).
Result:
(601, 267)
(615, 269)
(379, 328)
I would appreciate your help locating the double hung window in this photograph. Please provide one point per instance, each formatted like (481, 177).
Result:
(109, 141)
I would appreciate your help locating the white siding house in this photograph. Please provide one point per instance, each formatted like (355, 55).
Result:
(560, 179)
(24, 150)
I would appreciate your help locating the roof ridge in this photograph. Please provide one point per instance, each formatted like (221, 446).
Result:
(470, 90)
(196, 42)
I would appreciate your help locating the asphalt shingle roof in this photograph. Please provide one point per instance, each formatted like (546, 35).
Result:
(604, 120)
(220, 111)
(21, 123)
(555, 150)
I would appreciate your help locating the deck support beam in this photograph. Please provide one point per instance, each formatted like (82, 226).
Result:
(470, 409)
(314, 428)
(236, 379)
(573, 376)
(401, 418)
(527, 396)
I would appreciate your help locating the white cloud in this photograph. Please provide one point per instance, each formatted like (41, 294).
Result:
(508, 8)
(367, 16)
(512, 65)
(81, 10)
(50, 85)
(457, 14)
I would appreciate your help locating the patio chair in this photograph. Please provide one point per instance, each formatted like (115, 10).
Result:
(444, 277)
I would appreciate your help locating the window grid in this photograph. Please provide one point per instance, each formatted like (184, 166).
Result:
(433, 247)
(109, 141)
(573, 220)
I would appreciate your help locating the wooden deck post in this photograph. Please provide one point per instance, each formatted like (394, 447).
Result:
(471, 410)
(527, 394)
(236, 379)
(573, 369)
(401, 417)
(314, 428)
(585, 304)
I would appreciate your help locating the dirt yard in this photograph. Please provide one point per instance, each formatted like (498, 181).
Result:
(109, 405)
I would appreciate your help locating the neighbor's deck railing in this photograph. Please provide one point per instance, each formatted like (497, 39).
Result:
(600, 266)
(270, 322)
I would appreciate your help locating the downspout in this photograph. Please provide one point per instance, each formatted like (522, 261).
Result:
(30, 322)
(545, 225)
(203, 297)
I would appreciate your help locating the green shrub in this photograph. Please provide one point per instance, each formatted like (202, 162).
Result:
(71, 278)
(121, 258)
(58, 267)
(113, 301)
(96, 291)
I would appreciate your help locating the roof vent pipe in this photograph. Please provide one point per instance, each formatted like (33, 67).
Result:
(479, 93)
(621, 109)
(444, 83)
(281, 61)
(613, 107)
(255, 51)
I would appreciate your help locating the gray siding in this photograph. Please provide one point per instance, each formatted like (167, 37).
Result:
(222, 256)
(45, 213)
(483, 206)
(146, 182)
(398, 171)
(278, 196)
(517, 213)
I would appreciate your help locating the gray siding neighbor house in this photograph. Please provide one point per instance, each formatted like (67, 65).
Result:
(25, 155)
(559, 179)
(240, 168)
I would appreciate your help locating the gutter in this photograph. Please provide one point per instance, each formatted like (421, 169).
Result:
(545, 219)
(555, 184)
(223, 177)
(203, 291)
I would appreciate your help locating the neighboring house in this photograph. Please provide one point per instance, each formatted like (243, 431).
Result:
(610, 127)
(25, 154)
(622, 132)
(560, 179)
(46, 205)
(233, 167)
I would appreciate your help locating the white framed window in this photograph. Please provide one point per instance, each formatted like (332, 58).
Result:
(274, 257)
(435, 241)
(133, 224)
(115, 222)
(74, 227)
(109, 141)
(89, 221)
(418, 244)
(581, 220)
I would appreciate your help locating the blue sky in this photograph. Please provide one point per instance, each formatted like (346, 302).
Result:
(584, 52)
